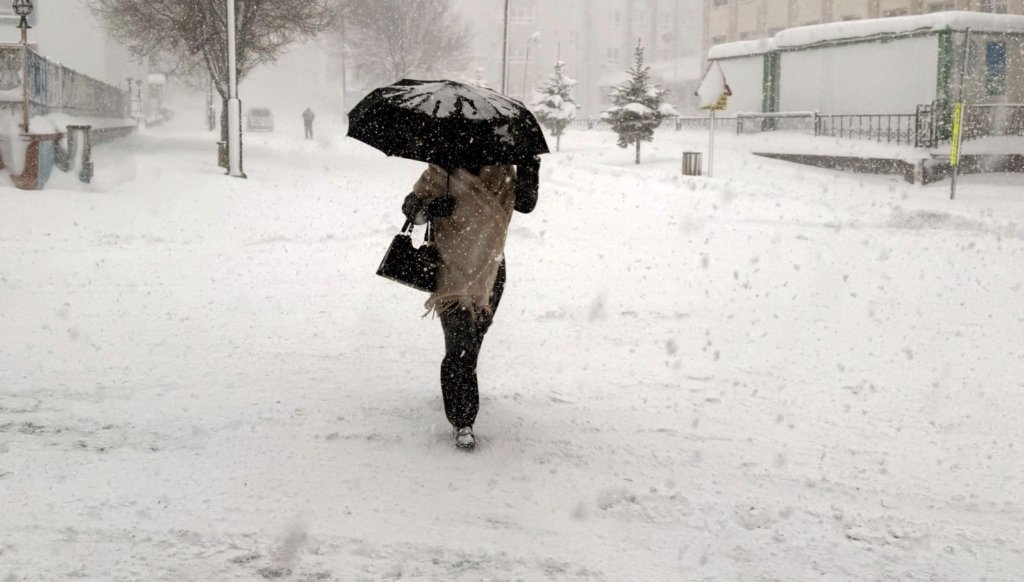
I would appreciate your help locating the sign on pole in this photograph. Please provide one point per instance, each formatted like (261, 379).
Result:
(713, 93)
(958, 115)
(954, 154)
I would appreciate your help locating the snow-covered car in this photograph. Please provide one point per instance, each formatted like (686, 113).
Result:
(259, 119)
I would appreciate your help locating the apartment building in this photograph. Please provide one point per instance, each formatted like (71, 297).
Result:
(595, 38)
(733, 20)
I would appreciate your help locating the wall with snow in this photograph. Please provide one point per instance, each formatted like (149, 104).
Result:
(872, 77)
(745, 77)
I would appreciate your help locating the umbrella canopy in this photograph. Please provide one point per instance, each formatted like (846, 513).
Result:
(447, 123)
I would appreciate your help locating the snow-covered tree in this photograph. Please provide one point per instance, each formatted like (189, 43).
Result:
(479, 80)
(555, 108)
(188, 38)
(639, 106)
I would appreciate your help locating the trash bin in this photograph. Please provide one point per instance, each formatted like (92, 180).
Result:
(222, 154)
(80, 151)
(692, 163)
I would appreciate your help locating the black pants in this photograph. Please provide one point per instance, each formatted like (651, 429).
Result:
(309, 131)
(463, 336)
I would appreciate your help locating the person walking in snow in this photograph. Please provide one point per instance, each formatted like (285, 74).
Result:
(470, 209)
(307, 119)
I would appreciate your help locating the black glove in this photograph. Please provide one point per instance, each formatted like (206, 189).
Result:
(441, 207)
(527, 183)
(414, 207)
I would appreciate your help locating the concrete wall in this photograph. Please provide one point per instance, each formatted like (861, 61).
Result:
(746, 79)
(872, 77)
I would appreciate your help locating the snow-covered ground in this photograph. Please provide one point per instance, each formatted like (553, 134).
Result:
(782, 373)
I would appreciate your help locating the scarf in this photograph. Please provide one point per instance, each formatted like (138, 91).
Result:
(471, 241)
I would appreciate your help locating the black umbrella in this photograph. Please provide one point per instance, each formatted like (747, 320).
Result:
(447, 123)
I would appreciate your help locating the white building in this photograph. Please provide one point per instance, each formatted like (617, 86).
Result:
(881, 66)
(736, 20)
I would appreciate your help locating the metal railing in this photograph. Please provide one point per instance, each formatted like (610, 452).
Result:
(803, 121)
(994, 120)
(726, 123)
(54, 88)
(896, 128)
(926, 128)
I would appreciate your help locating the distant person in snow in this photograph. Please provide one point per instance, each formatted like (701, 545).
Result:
(307, 119)
(470, 209)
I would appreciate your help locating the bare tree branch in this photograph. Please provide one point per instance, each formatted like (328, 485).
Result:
(393, 39)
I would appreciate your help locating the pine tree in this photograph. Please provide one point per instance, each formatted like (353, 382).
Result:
(479, 80)
(556, 108)
(639, 106)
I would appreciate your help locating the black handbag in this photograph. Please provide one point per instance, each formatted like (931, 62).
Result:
(409, 265)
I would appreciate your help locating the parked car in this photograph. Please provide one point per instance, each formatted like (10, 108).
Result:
(260, 119)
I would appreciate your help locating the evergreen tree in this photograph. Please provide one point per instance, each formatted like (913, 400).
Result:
(479, 80)
(639, 106)
(556, 108)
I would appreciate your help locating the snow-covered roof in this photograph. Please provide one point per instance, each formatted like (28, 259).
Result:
(743, 48)
(832, 32)
(687, 69)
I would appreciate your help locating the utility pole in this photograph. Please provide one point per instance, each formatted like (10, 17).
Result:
(344, 67)
(959, 110)
(504, 58)
(234, 104)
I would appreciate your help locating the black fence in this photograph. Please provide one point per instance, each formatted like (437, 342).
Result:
(888, 128)
(929, 126)
(54, 88)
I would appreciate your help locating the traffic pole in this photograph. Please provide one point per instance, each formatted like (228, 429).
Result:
(958, 115)
(234, 104)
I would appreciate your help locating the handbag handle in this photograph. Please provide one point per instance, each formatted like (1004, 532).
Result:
(408, 227)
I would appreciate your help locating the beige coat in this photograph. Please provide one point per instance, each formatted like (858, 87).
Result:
(471, 241)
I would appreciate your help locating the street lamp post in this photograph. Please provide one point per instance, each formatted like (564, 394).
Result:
(526, 64)
(504, 54)
(234, 104)
(138, 103)
(129, 79)
(23, 8)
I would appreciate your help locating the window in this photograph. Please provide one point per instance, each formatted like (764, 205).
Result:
(895, 12)
(994, 6)
(523, 15)
(941, 6)
(614, 56)
(850, 18)
(718, 39)
(995, 68)
(719, 3)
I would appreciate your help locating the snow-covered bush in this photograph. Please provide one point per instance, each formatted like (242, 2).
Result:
(639, 106)
(555, 107)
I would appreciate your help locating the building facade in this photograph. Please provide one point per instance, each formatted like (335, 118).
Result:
(735, 20)
(595, 38)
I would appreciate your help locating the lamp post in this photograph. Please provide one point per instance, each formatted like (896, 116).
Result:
(504, 52)
(23, 8)
(234, 105)
(129, 79)
(138, 103)
(526, 64)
